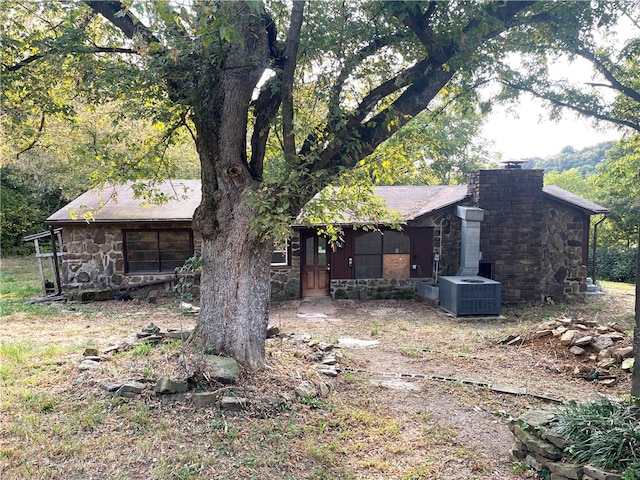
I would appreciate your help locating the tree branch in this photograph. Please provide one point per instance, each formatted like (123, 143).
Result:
(122, 18)
(608, 74)
(35, 140)
(288, 73)
(588, 112)
(38, 56)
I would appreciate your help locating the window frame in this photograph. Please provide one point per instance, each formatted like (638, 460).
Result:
(378, 255)
(126, 251)
(287, 256)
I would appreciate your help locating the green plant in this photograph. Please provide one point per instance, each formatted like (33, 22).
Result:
(604, 433)
(142, 350)
(314, 402)
(186, 274)
(632, 472)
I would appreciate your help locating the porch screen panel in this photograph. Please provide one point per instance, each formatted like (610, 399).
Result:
(142, 251)
(174, 249)
(368, 255)
(156, 251)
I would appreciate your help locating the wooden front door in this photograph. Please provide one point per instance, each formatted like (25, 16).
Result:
(315, 265)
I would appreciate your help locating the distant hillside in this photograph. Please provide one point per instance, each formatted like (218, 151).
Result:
(584, 160)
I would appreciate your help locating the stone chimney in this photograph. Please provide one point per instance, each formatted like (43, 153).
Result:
(512, 228)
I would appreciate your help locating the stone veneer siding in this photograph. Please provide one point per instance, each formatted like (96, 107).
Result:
(564, 273)
(285, 280)
(374, 288)
(93, 257)
(511, 233)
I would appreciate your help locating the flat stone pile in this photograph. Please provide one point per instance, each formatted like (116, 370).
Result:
(596, 348)
(539, 445)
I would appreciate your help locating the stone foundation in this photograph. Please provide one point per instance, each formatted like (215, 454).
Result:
(375, 289)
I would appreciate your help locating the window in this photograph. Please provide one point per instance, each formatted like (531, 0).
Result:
(382, 256)
(156, 251)
(280, 256)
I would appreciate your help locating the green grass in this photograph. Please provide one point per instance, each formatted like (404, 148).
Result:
(20, 282)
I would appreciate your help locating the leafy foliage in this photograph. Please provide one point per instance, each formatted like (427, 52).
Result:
(617, 264)
(26, 202)
(604, 433)
(585, 161)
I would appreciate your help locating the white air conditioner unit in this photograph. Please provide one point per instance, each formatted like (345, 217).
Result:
(469, 295)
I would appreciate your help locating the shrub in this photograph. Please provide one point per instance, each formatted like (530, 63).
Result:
(616, 264)
(603, 433)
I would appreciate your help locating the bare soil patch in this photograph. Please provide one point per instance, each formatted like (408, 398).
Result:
(387, 417)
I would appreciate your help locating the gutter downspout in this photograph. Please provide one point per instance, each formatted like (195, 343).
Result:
(594, 246)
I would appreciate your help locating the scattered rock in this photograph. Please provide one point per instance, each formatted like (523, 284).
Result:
(222, 369)
(130, 387)
(599, 474)
(354, 342)
(622, 353)
(173, 397)
(576, 350)
(306, 389)
(178, 334)
(507, 339)
(273, 332)
(233, 404)
(601, 342)
(616, 326)
(88, 365)
(324, 346)
(202, 399)
(541, 334)
(582, 341)
(95, 359)
(608, 382)
(517, 340)
(110, 386)
(615, 336)
(627, 364)
(166, 385)
(567, 337)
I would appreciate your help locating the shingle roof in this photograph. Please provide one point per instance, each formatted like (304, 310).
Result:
(573, 200)
(121, 206)
(412, 202)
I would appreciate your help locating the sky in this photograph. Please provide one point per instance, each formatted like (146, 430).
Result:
(532, 134)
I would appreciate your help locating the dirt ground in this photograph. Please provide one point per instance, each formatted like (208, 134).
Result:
(429, 374)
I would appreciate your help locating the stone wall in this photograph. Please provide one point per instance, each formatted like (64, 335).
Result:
(285, 281)
(564, 273)
(539, 446)
(374, 288)
(93, 259)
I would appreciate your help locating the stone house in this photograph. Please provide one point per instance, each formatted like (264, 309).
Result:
(534, 240)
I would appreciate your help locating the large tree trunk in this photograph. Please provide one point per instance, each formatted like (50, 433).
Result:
(635, 376)
(235, 293)
(235, 289)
